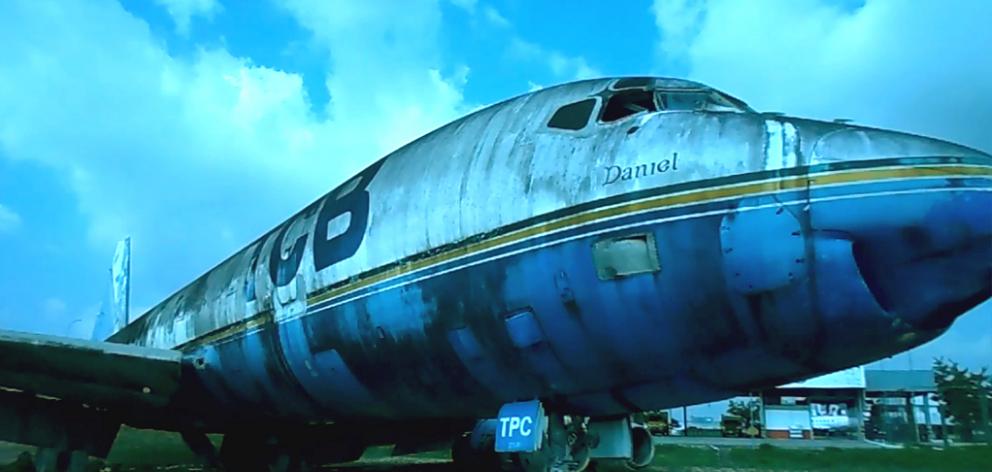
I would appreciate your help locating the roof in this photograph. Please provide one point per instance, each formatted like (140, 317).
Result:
(900, 381)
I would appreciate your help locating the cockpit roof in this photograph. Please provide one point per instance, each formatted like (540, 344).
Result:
(666, 84)
(612, 100)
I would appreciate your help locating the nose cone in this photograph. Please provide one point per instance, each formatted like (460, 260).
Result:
(892, 242)
(831, 143)
(918, 213)
(930, 270)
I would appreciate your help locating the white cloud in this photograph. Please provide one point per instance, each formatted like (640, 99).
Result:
(564, 67)
(467, 5)
(183, 11)
(919, 66)
(53, 307)
(196, 156)
(385, 62)
(9, 220)
(495, 17)
(678, 21)
(577, 67)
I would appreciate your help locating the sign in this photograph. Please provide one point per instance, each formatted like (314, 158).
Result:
(520, 427)
(829, 415)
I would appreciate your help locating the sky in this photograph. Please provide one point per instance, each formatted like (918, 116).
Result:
(196, 125)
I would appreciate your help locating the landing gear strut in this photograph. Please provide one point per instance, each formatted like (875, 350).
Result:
(528, 440)
(565, 448)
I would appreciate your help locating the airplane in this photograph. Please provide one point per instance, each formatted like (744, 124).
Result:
(522, 281)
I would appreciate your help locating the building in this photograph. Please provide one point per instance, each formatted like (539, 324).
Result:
(829, 404)
(856, 403)
(900, 406)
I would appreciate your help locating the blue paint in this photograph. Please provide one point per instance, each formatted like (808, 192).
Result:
(687, 333)
(520, 427)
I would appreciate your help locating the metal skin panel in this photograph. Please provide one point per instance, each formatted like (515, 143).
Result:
(431, 253)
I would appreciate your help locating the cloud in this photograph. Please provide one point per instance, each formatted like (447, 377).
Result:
(916, 66)
(386, 75)
(53, 307)
(9, 220)
(576, 67)
(194, 156)
(467, 5)
(495, 17)
(679, 22)
(563, 67)
(183, 11)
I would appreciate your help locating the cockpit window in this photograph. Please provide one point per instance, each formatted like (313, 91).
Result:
(702, 100)
(624, 103)
(628, 102)
(573, 116)
(633, 82)
(633, 96)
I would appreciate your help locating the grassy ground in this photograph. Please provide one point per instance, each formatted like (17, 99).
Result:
(964, 459)
(144, 451)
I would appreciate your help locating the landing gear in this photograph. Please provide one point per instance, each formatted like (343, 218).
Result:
(565, 448)
(202, 448)
(641, 452)
(531, 441)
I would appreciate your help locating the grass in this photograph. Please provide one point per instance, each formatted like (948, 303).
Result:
(149, 450)
(766, 457)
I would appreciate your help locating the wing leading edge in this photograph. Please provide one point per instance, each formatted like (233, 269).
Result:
(95, 373)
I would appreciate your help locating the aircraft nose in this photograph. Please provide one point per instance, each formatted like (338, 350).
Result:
(831, 143)
(932, 269)
(918, 212)
(887, 242)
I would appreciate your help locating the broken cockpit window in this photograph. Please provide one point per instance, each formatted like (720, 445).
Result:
(702, 100)
(624, 103)
(573, 116)
(628, 102)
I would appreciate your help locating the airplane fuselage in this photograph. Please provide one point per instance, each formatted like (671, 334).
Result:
(605, 265)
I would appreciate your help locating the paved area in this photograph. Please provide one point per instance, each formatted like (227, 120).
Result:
(781, 443)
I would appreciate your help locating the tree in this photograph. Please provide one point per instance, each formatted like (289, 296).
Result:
(965, 396)
(748, 410)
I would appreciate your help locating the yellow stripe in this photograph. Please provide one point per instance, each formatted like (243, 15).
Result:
(689, 197)
(697, 196)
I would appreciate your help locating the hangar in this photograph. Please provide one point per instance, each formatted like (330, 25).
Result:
(875, 404)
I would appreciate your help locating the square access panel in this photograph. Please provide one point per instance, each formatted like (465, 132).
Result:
(624, 256)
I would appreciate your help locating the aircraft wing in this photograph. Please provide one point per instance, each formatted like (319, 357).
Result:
(91, 372)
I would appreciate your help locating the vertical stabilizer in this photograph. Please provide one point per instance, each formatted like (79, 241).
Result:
(115, 307)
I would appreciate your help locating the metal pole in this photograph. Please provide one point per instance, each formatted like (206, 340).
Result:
(861, 414)
(943, 428)
(926, 416)
(761, 408)
(911, 417)
(983, 401)
(685, 421)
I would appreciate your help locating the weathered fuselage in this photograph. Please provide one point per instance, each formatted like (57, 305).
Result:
(680, 254)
